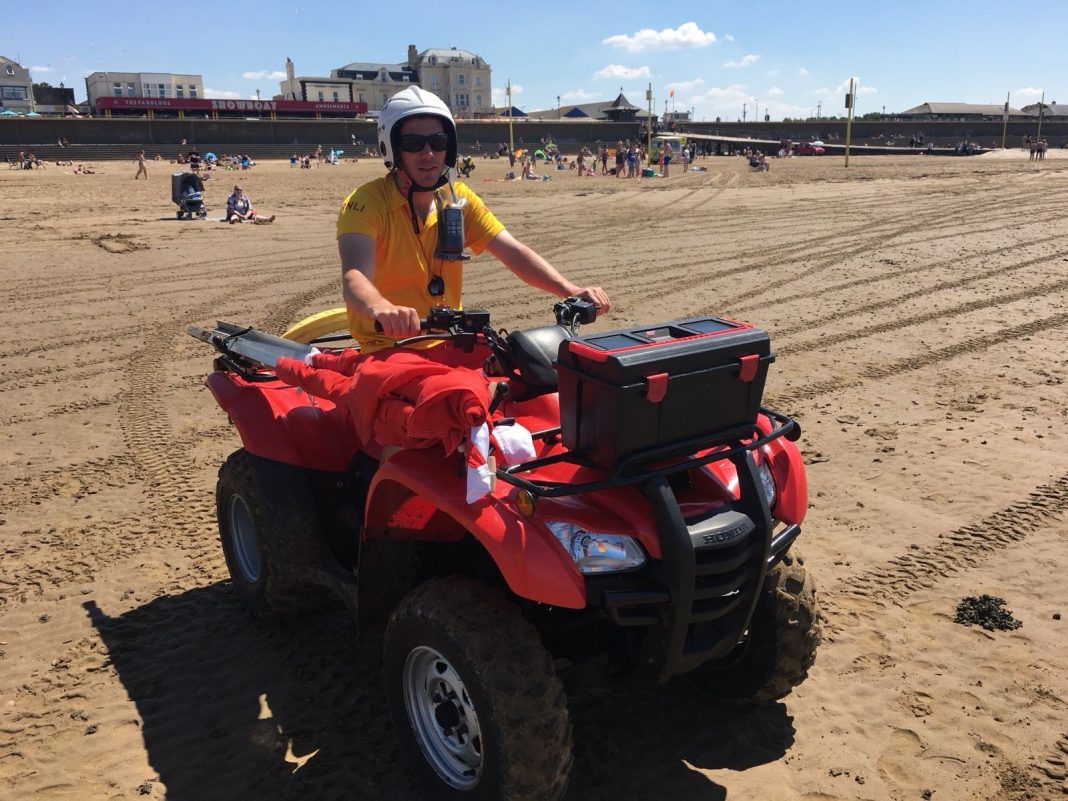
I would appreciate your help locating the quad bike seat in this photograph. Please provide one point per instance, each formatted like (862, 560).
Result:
(534, 352)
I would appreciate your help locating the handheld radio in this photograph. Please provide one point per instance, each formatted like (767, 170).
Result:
(451, 227)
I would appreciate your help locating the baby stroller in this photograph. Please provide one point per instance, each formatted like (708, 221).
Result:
(186, 189)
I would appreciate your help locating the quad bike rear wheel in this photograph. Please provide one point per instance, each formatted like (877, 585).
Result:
(260, 532)
(783, 637)
(474, 698)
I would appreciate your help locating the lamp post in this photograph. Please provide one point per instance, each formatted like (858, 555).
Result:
(743, 112)
(558, 107)
(649, 121)
(819, 109)
(511, 140)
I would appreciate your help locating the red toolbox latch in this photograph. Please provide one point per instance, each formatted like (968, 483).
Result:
(657, 387)
(748, 370)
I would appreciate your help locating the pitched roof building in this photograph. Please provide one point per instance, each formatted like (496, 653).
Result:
(618, 110)
(1050, 111)
(16, 86)
(959, 111)
(459, 77)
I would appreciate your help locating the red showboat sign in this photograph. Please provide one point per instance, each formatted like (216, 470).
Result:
(218, 104)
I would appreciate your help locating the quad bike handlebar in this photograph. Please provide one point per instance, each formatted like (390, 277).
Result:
(570, 312)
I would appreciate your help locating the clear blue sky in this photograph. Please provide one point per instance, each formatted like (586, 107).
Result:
(784, 57)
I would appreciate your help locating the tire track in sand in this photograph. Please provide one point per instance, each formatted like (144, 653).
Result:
(879, 371)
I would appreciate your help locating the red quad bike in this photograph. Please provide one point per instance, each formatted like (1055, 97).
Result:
(649, 537)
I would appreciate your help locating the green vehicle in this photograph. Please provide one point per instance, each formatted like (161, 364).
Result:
(674, 143)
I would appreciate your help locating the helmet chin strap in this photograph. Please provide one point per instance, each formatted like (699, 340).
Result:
(414, 187)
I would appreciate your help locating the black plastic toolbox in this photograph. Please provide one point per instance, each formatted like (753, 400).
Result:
(632, 390)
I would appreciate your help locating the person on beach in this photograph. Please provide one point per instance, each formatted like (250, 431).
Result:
(393, 278)
(141, 170)
(239, 209)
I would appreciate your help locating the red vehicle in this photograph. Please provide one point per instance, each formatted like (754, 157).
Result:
(809, 149)
(648, 534)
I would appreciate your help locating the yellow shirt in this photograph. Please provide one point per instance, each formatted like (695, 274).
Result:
(405, 263)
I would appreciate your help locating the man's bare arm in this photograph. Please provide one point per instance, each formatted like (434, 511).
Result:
(362, 298)
(533, 269)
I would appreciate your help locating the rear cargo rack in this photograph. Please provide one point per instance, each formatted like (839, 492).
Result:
(634, 469)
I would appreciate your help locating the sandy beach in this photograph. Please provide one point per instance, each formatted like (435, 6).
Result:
(919, 310)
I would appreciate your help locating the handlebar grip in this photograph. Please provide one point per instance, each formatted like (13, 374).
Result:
(422, 325)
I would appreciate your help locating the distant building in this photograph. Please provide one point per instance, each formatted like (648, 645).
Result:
(460, 78)
(16, 86)
(618, 110)
(960, 112)
(160, 85)
(53, 99)
(1050, 111)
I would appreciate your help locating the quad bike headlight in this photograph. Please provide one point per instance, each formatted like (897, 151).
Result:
(594, 552)
(767, 481)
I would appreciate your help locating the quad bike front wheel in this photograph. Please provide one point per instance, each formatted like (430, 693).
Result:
(781, 646)
(324, 323)
(264, 534)
(474, 698)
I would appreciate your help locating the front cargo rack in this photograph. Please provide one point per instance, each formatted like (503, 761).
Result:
(635, 468)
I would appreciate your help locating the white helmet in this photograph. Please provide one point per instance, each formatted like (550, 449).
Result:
(413, 102)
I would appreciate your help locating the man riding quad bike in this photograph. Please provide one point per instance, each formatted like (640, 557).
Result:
(613, 508)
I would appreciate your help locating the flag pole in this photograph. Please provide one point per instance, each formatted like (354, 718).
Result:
(649, 122)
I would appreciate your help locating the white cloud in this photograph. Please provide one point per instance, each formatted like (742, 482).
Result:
(745, 61)
(264, 75)
(686, 35)
(221, 94)
(802, 72)
(721, 94)
(41, 69)
(729, 37)
(500, 96)
(774, 91)
(619, 71)
(860, 89)
(681, 87)
(579, 96)
(1028, 92)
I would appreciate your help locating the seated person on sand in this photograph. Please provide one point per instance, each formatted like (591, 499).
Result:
(239, 209)
(528, 169)
(81, 169)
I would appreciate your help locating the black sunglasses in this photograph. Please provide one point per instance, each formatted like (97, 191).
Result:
(414, 143)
